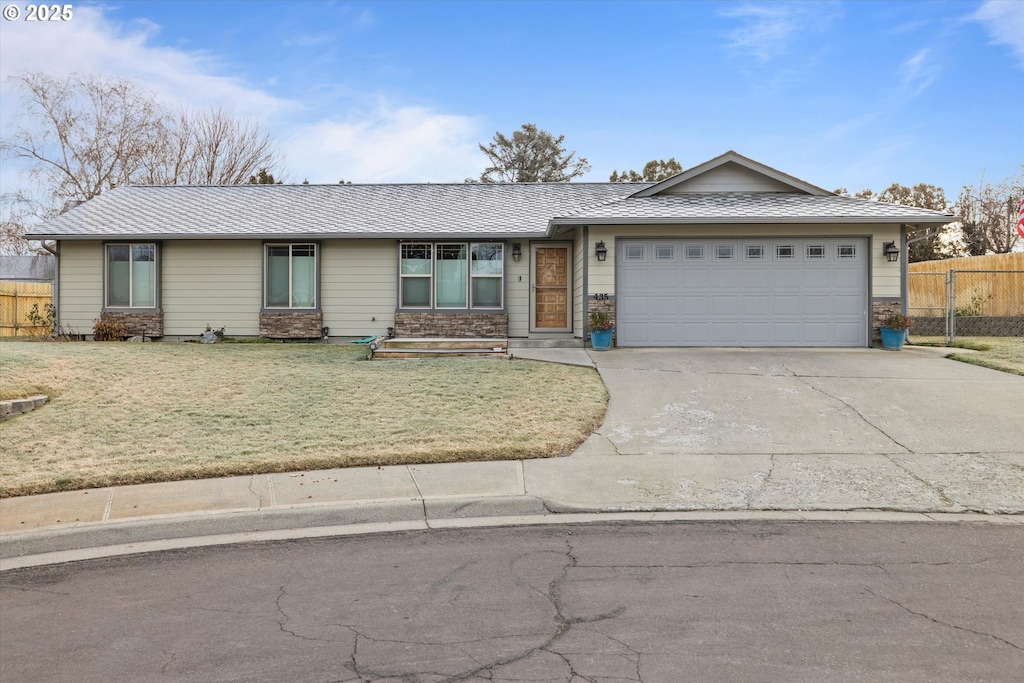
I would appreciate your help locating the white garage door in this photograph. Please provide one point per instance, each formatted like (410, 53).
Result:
(743, 292)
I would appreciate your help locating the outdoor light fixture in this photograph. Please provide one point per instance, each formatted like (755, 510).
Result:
(601, 251)
(517, 251)
(891, 251)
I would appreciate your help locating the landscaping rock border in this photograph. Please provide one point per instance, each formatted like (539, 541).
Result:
(15, 407)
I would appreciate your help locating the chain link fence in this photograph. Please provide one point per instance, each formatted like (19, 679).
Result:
(967, 303)
(20, 304)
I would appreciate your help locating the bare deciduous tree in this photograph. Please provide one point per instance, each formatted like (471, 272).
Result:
(87, 134)
(988, 214)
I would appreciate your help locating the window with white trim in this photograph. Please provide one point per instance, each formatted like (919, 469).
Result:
(634, 252)
(451, 276)
(694, 252)
(755, 252)
(725, 251)
(815, 251)
(785, 251)
(664, 252)
(131, 271)
(290, 276)
(846, 251)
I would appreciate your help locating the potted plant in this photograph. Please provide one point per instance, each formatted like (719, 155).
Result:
(601, 327)
(894, 330)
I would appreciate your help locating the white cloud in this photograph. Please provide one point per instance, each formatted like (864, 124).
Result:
(405, 144)
(93, 43)
(918, 72)
(1004, 20)
(768, 29)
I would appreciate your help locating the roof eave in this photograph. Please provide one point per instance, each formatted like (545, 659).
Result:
(734, 220)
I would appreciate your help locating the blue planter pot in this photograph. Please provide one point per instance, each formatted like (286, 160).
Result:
(601, 340)
(892, 339)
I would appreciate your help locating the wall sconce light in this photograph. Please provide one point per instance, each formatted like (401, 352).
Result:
(601, 251)
(891, 251)
(517, 251)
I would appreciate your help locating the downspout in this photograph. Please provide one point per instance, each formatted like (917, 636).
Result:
(55, 250)
(586, 284)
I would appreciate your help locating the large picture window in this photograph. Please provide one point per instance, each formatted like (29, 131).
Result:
(451, 275)
(290, 276)
(131, 275)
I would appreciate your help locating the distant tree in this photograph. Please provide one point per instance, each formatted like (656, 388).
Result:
(989, 214)
(654, 170)
(530, 155)
(263, 177)
(923, 196)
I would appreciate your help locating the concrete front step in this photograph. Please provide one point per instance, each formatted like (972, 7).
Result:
(439, 348)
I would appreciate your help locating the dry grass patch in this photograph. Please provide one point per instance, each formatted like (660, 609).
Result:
(131, 413)
(998, 353)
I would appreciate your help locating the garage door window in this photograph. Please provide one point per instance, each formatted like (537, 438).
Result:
(815, 251)
(695, 252)
(846, 251)
(755, 252)
(664, 252)
(785, 251)
(634, 252)
(725, 251)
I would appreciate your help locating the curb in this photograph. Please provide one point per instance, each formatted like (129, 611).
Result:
(106, 539)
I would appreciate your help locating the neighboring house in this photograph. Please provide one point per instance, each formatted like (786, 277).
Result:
(728, 253)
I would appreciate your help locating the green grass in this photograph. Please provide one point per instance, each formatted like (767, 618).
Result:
(132, 413)
(998, 353)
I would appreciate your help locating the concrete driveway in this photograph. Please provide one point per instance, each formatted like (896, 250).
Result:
(796, 429)
(807, 401)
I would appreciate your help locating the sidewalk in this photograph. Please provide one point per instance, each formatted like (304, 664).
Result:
(598, 478)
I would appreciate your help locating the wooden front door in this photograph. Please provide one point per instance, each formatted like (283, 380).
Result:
(552, 288)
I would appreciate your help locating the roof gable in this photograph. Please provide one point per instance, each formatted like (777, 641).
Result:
(731, 172)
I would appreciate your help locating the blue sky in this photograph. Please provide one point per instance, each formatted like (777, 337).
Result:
(852, 94)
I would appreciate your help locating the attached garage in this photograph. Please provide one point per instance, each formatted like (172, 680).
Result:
(743, 292)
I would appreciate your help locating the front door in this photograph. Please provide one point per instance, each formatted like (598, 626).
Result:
(552, 288)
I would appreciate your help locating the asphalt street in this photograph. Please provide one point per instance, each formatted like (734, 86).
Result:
(712, 601)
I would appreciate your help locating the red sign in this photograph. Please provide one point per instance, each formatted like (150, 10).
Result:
(1020, 218)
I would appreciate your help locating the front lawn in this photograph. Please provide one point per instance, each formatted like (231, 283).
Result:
(999, 353)
(128, 413)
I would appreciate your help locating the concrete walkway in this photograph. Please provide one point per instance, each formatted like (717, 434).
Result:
(689, 433)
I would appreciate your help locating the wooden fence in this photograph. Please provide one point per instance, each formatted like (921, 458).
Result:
(16, 301)
(985, 285)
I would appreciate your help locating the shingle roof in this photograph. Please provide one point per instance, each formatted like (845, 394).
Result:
(427, 210)
(764, 207)
(329, 210)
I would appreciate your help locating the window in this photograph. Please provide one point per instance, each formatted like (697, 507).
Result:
(846, 251)
(486, 271)
(815, 251)
(451, 276)
(664, 252)
(290, 276)
(755, 252)
(634, 252)
(131, 275)
(695, 252)
(785, 251)
(724, 251)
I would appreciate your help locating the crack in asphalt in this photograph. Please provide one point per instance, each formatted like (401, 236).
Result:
(943, 623)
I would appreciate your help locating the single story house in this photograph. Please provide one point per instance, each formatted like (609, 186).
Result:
(728, 253)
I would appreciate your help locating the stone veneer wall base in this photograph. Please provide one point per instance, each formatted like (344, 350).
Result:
(452, 325)
(291, 325)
